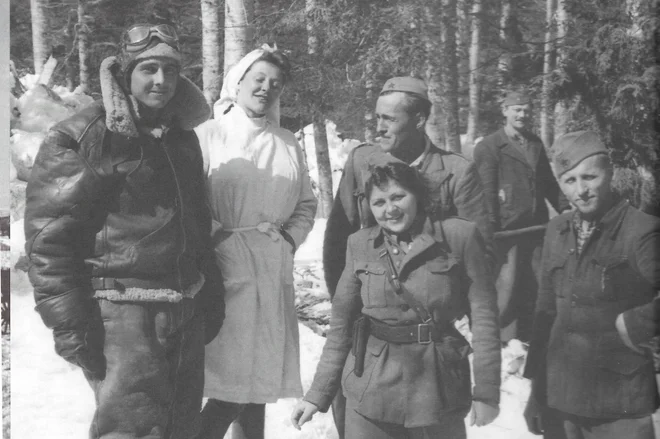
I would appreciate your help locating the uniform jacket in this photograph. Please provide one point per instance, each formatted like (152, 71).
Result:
(514, 190)
(414, 384)
(590, 372)
(116, 213)
(455, 191)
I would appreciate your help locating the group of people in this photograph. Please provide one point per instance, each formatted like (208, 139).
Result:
(161, 249)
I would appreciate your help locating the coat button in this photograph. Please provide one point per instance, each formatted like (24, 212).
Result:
(404, 307)
(395, 251)
(571, 251)
(573, 304)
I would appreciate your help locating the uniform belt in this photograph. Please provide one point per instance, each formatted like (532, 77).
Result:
(121, 284)
(422, 333)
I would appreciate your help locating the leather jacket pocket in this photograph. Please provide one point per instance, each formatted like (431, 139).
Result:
(373, 276)
(454, 384)
(355, 386)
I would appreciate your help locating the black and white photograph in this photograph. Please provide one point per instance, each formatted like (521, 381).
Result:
(330, 219)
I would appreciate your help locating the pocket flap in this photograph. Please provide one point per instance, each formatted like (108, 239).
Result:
(607, 261)
(441, 265)
(624, 363)
(369, 267)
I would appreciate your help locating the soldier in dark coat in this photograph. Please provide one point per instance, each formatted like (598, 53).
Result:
(597, 310)
(402, 111)
(517, 180)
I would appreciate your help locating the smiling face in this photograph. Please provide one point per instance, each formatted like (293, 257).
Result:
(393, 206)
(518, 117)
(396, 128)
(587, 186)
(260, 88)
(153, 82)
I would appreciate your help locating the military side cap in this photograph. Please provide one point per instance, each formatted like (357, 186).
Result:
(516, 98)
(407, 84)
(570, 149)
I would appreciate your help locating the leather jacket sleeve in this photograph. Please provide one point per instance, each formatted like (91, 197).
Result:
(64, 210)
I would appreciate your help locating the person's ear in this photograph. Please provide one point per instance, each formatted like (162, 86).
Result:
(421, 121)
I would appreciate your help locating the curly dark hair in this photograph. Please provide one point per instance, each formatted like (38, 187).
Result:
(405, 176)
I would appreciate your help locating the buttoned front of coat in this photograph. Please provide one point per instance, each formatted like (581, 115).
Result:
(414, 384)
(590, 372)
(515, 190)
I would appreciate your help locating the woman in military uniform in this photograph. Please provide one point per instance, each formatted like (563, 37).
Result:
(407, 280)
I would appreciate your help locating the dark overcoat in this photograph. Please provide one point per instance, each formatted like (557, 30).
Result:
(515, 190)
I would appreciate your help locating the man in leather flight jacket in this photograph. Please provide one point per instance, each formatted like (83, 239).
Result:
(117, 233)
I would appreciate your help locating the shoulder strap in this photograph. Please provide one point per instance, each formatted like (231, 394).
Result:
(399, 289)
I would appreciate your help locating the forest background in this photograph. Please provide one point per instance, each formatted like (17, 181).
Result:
(588, 63)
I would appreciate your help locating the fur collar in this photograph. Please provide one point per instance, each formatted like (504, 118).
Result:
(187, 109)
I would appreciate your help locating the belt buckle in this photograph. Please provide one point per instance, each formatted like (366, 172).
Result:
(429, 338)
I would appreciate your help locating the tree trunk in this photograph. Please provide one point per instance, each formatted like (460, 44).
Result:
(70, 34)
(475, 78)
(504, 62)
(211, 76)
(83, 45)
(39, 34)
(432, 31)
(548, 65)
(371, 92)
(323, 165)
(450, 76)
(239, 35)
(561, 108)
(318, 120)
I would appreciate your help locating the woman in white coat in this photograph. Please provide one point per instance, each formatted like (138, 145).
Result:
(263, 207)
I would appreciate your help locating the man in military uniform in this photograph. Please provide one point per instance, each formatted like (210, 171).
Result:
(402, 110)
(589, 360)
(517, 180)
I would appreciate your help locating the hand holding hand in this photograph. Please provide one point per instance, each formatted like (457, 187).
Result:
(302, 413)
(482, 413)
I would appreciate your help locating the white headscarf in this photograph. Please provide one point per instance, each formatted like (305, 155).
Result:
(229, 92)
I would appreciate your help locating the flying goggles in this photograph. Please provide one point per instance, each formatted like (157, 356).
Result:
(139, 36)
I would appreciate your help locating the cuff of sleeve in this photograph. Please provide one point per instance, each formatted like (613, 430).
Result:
(637, 331)
(321, 400)
(487, 393)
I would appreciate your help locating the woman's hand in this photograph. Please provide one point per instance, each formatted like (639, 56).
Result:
(302, 413)
(482, 413)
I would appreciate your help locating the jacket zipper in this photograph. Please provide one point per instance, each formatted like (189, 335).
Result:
(180, 205)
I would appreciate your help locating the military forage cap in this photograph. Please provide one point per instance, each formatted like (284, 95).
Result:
(570, 149)
(516, 98)
(407, 84)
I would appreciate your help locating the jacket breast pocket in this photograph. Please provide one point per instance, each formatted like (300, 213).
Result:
(355, 386)
(617, 279)
(442, 277)
(373, 276)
